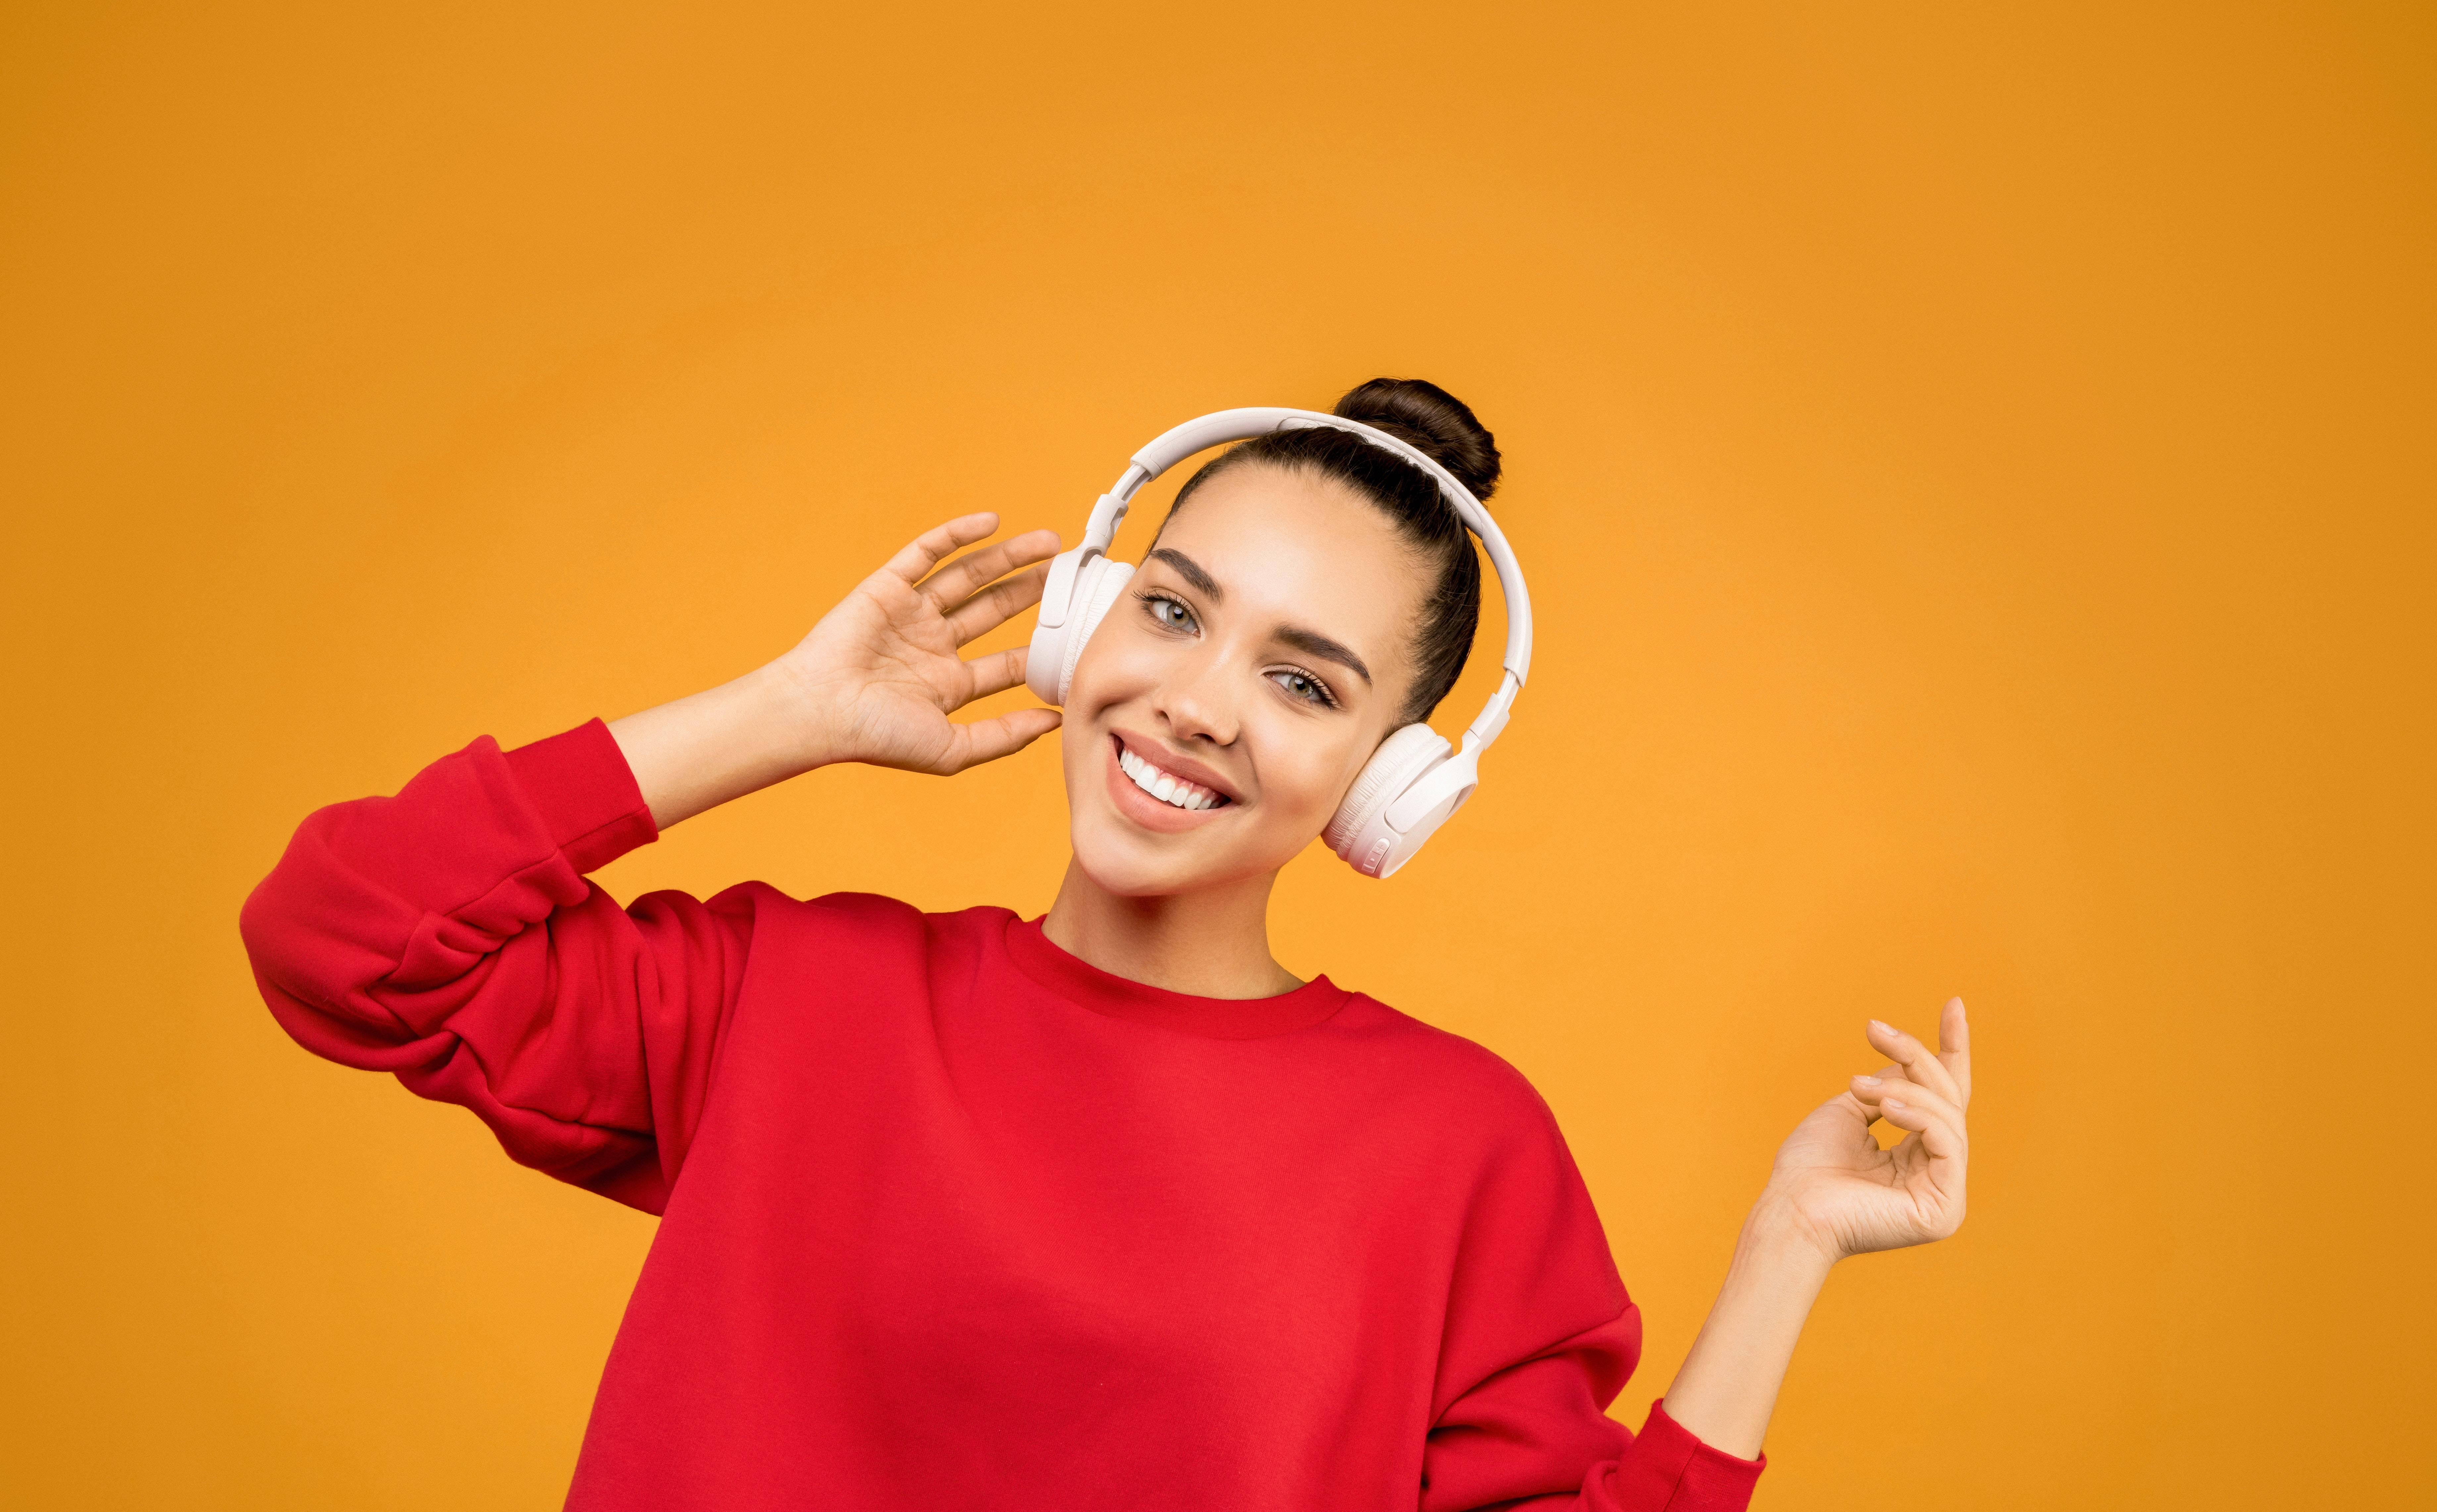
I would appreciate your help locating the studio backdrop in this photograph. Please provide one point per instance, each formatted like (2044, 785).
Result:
(1974, 466)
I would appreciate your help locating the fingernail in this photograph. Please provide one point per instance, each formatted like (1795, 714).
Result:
(1868, 1081)
(1891, 1102)
(1883, 1029)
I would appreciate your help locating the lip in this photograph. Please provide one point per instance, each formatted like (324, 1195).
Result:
(1184, 766)
(1151, 813)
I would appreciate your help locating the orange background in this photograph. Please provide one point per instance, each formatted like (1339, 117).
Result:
(1975, 467)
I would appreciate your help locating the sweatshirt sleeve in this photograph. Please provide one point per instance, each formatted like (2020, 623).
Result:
(1518, 1440)
(1541, 1337)
(448, 936)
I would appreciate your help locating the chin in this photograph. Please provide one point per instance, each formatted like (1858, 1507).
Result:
(1131, 869)
(1127, 862)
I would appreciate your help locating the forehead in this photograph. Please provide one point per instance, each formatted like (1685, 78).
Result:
(1289, 548)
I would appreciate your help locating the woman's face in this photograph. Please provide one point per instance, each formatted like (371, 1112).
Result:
(1259, 655)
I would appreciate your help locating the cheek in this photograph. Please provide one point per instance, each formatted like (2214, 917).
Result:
(1305, 770)
(1114, 666)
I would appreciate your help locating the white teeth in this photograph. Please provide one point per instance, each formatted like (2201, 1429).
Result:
(1165, 787)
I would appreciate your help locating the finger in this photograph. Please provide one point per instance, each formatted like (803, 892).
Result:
(1864, 1115)
(1918, 1064)
(997, 603)
(987, 740)
(1865, 1097)
(1908, 1094)
(971, 571)
(995, 673)
(923, 551)
(1949, 1151)
(1954, 1048)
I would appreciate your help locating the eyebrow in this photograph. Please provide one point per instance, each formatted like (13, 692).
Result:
(1190, 570)
(1313, 643)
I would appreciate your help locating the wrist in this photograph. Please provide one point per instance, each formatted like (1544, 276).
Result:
(721, 744)
(801, 714)
(1776, 1234)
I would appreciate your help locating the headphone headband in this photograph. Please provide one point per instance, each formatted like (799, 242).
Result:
(1243, 425)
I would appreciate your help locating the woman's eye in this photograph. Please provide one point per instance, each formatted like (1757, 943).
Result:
(1169, 612)
(1303, 686)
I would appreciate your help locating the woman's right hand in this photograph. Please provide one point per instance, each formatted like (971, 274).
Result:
(875, 681)
(879, 675)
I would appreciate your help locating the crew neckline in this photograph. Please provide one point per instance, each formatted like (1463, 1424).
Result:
(1213, 1018)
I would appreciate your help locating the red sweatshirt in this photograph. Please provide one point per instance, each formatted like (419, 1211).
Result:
(951, 1218)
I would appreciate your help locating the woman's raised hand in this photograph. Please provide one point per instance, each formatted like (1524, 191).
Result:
(875, 681)
(1850, 1196)
(879, 674)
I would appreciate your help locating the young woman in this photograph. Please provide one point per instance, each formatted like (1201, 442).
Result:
(1100, 1209)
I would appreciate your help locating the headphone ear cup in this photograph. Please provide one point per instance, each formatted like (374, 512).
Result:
(1048, 646)
(1096, 587)
(1359, 833)
(1075, 575)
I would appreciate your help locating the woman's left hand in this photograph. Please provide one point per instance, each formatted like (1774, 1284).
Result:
(1851, 1197)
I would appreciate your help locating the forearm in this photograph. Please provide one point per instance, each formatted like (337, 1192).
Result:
(1729, 1380)
(700, 751)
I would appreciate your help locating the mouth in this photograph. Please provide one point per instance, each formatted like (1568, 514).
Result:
(1158, 798)
(1163, 784)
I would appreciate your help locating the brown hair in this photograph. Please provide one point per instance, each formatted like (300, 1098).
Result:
(1438, 425)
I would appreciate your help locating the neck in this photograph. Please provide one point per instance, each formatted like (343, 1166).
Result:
(1212, 942)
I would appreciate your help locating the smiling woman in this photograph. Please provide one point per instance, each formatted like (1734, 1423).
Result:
(1263, 651)
(1103, 1209)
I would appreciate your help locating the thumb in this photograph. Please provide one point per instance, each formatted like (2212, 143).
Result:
(987, 740)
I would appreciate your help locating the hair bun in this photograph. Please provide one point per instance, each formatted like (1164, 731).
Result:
(1440, 425)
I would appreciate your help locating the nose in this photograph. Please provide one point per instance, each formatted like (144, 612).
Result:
(1196, 702)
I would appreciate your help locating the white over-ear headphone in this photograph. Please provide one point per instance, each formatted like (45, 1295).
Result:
(1415, 779)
